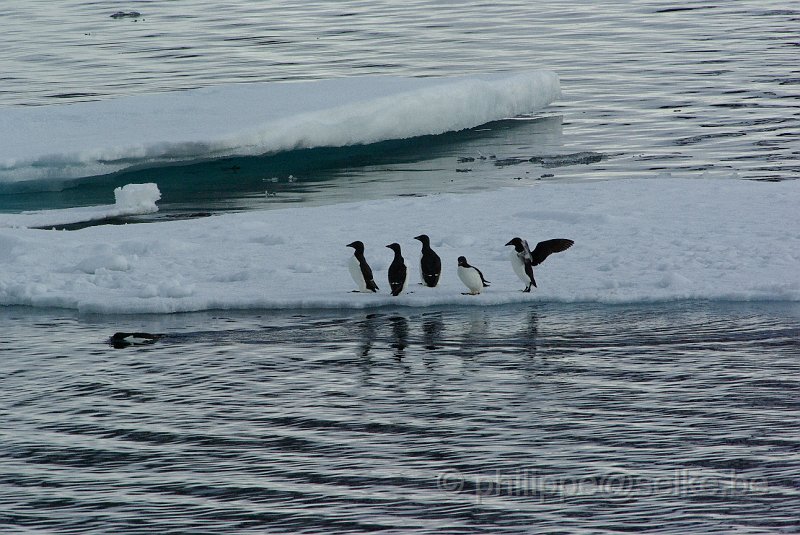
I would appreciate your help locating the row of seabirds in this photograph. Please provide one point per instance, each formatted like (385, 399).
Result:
(523, 259)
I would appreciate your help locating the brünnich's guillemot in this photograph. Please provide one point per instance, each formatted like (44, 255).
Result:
(360, 270)
(397, 270)
(430, 265)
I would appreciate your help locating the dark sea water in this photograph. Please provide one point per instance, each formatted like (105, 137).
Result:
(678, 417)
(672, 418)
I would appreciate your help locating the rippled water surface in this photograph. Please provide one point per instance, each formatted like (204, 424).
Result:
(672, 418)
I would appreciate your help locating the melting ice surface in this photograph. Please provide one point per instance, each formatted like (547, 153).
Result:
(635, 241)
(58, 143)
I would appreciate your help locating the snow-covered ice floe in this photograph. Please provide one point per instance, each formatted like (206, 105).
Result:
(635, 241)
(131, 199)
(64, 142)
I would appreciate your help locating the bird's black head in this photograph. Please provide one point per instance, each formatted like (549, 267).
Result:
(394, 247)
(424, 239)
(517, 243)
(462, 261)
(357, 245)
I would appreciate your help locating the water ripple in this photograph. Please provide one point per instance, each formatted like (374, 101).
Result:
(541, 418)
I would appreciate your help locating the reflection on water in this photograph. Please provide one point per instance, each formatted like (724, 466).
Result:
(399, 334)
(537, 418)
(432, 327)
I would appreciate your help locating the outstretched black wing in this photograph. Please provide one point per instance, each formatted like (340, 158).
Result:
(546, 248)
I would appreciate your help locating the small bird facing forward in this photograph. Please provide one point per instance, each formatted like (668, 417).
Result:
(523, 259)
(471, 277)
(397, 270)
(430, 265)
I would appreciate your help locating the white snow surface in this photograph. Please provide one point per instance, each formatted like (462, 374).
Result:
(131, 199)
(93, 138)
(635, 241)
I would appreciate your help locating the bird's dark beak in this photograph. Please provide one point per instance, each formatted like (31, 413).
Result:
(510, 243)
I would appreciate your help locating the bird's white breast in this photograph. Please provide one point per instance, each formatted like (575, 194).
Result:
(471, 279)
(355, 271)
(519, 267)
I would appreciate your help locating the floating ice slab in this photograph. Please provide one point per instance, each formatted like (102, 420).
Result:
(131, 199)
(635, 241)
(93, 138)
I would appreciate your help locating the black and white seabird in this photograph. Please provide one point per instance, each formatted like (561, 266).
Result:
(471, 277)
(523, 259)
(121, 340)
(360, 270)
(397, 270)
(430, 265)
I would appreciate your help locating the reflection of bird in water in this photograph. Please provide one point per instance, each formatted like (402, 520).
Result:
(432, 327)
(475, 329)
(530, 333)
(400, 333)
(367, 331)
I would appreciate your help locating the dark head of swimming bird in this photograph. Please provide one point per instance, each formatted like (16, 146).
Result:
(366, 271)
(527, 259)
(397, 270)
(120, 340)
(430, 264)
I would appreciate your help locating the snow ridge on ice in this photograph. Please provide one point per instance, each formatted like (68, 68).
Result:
(63, 142)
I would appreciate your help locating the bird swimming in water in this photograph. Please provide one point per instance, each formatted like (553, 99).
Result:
(122, 340)
(523, 259)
